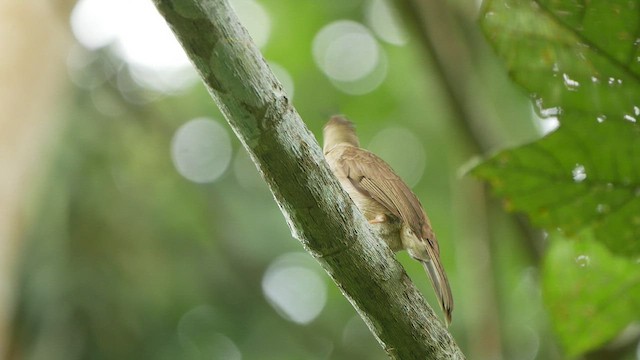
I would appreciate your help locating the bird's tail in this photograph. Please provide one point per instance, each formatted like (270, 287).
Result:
(440, 284)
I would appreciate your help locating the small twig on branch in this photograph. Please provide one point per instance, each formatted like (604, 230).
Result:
(318, 211)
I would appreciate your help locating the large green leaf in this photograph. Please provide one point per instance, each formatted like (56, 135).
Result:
(591, 294)
(580, 61)
(580, 57)
(582, 175)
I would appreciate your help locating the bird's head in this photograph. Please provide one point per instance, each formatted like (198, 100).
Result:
(339, 130)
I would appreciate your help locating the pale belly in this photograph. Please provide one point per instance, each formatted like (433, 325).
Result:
(388, 230)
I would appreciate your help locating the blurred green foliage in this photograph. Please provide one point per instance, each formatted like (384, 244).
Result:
(126, 259)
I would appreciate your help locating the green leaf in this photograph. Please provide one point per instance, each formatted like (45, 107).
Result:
(574, 57)
(580, 61)
(580, 176)
(591, 294)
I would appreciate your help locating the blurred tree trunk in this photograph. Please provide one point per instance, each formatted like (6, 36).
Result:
(34, 41)
(450, 53)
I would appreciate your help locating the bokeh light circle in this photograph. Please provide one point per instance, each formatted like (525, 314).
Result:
(92, 22)
(403, 150)
(294, 288)
(201, 150)
(382, 18)
(346, 51)
(139, 36)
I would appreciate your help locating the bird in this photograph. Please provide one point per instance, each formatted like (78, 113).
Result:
(391, 208)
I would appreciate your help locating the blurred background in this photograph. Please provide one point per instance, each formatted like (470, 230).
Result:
(133, 225)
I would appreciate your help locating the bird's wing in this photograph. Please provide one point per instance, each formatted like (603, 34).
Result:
(374, 178)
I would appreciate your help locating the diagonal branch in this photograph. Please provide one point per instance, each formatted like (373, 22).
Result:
(318, 212)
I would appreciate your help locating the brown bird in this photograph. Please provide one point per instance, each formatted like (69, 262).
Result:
(392, 209)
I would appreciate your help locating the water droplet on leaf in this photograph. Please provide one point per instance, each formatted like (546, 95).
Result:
(583, 261)
(578, 173)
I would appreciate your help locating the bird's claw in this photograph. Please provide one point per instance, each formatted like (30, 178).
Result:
(378, 219)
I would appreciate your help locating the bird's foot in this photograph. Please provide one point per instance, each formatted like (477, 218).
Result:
(380, 218)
